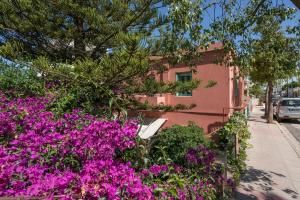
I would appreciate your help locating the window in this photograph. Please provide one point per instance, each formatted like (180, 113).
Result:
(236, 87)
(183, 77)
(290, 103)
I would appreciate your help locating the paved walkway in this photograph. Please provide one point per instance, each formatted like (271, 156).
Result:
(273, 171)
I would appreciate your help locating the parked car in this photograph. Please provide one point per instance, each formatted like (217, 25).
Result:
(288, 108)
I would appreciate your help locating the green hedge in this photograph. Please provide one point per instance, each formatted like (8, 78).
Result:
(173, 143)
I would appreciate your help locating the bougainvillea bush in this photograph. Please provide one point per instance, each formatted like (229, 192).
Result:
(70, 157)
(74, 157)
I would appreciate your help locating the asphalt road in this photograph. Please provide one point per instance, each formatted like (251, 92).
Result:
(293, 126)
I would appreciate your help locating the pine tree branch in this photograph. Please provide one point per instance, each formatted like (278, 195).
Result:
(124, 28)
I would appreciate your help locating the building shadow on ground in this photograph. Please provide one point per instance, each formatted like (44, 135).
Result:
(258, 184)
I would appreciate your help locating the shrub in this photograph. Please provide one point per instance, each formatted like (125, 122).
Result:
(71, 157)
(202, 178)
(75, 157)
(18, 81)
(237, 125)
(175, 142)
(175, 182)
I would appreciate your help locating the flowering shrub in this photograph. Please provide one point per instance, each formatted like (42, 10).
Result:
(172, 181)
(201, 157)
(199, 178)
(70, 157)
(76, 157)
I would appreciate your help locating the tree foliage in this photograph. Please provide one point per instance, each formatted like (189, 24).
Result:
(256, 91)
(293, 84)
(98, 49)
(240, 26)
(273, 56)
(264, 49)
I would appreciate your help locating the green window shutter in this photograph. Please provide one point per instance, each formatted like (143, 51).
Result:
(183, 77)
(236, 87)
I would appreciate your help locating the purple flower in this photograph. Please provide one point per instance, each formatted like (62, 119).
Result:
(72, 156)
(155, 169)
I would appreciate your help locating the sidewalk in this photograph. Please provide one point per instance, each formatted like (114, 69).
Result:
(273, 171)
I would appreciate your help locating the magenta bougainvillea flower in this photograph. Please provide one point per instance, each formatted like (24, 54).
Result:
(71, 157)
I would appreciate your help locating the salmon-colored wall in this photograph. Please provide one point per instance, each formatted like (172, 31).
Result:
(209, 122)
(211, 99)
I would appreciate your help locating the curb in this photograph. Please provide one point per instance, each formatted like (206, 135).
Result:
(290, 138)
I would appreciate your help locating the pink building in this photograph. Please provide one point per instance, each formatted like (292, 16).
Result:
(213, 104)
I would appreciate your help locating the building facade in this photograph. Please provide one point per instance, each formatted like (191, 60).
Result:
(221, 91)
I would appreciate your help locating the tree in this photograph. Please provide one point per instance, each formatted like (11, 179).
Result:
(257, 91)
(273, 56)
(98, 49)
(264, 49)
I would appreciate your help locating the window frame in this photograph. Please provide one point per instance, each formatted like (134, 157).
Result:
(187, 93)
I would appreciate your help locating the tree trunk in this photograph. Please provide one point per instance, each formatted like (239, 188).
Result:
(266, 102)
(270, 103)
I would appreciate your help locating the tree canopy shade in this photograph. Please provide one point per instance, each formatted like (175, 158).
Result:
(99, 48)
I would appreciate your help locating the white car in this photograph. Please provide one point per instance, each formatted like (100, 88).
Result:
(288, 108)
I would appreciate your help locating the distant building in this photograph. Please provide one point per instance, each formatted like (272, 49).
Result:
(214, 104)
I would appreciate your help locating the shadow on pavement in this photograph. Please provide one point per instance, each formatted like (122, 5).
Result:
(258, 184)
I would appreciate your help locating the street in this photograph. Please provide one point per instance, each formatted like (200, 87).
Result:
(293, 126)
